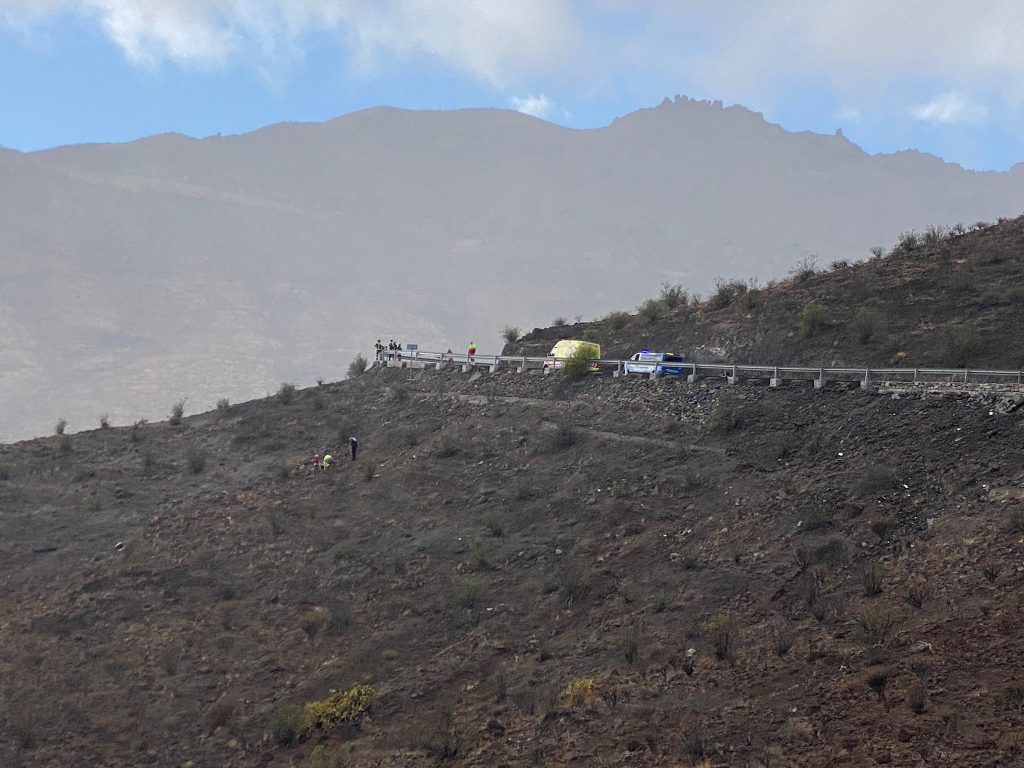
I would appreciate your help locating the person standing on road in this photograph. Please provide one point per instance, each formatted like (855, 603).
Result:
(353, 444)
(472, 351)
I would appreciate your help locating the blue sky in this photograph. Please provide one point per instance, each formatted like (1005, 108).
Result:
(940, 76)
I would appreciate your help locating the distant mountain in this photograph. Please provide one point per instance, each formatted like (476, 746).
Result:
(134, 275)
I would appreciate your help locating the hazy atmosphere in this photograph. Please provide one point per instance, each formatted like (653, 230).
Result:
(744, 487)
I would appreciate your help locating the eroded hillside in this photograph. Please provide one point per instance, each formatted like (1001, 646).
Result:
(525, 571)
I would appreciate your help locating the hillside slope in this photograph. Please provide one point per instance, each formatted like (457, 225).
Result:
(944, 299)
(174, 267)
(747, 576)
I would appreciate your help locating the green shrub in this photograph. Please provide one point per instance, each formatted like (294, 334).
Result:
(338, 707)
(357, 367)
(618, 320)
(651, 311)
(511, 334)
(177, 411)
(288, 724)
(196, 459)
(580, 363)
(673, 295)
(864, 325)
(286, 393)
(328, 756)
(813, 319)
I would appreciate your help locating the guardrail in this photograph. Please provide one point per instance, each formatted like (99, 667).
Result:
(732, 373)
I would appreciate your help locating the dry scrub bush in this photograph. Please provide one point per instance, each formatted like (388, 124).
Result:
(223, 404)
(5, 472)
(560, 322)
(443, 738)
(617, 320)
(357, 367)
(803, 270)
(1015, 521)
(872, 576)
(877, 626)
(104, 421)
(723, 634)
(195, 457)
(328, 756)
(177, 411)
(693, 741)
(286, 393)
(60, 426)
(917, 699)
(563, 436)
(919, 591)
(511, 334)
(579, 692)
(784, 637)
(864, 325)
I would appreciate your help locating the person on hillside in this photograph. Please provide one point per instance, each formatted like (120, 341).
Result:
(472, 351)
(353, 445)
(379, 349)
(316, 463)
(328, 461)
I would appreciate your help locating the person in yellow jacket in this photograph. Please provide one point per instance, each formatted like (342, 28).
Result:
(328, 460)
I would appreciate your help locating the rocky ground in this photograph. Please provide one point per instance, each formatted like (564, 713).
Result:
(526, 571)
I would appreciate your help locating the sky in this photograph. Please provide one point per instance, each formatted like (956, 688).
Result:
(940, 76)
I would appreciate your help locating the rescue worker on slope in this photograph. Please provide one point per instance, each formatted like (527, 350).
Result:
(353, 444)
(328, 460)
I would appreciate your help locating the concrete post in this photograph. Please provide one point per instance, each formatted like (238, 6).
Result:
(819, 383)
(775, 382)
(522, 366)
(692, 377)
(466, 367)
(733, 378)
(654, 374)
(864, 382)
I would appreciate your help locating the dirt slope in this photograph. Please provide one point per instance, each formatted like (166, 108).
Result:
(699, 555)
(948, 298)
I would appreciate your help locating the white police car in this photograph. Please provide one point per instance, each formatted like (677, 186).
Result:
(649, 362)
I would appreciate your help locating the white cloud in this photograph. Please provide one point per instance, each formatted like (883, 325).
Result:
(538, 106)
(849, 115)
(952, 107)
(494, 42)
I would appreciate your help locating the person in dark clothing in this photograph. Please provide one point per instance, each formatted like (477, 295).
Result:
(353, 444)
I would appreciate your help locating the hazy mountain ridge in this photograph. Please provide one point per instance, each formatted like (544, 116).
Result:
(135, 274)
